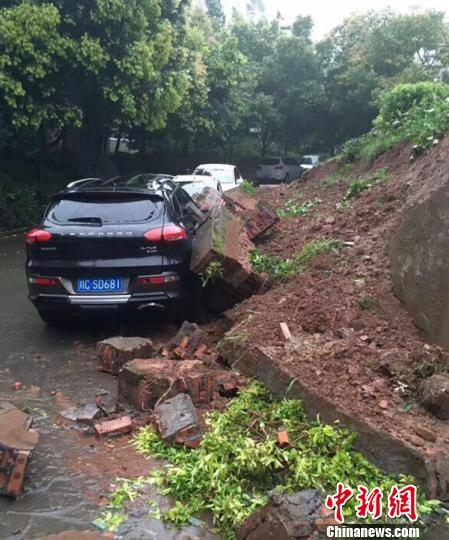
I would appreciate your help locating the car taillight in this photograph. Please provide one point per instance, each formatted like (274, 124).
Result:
(39, 236)
(279, 167)
(168, 233)
(45, 282)
(156, 280)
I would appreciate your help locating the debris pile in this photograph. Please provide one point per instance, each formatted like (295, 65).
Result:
(17, 443)
(333, 333)
(186, 374)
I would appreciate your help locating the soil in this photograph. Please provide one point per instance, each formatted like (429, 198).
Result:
(352, 338)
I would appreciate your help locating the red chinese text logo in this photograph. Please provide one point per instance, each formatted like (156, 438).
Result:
(401, 502)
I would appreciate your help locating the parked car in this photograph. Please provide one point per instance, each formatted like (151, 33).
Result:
(121, 244)
(195, 184)
(309, 162)
(277, 169)
(228, 175)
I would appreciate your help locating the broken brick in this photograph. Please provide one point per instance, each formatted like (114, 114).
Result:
(144, 382)
(286, 331)
(257, 216)
(124, 424)
(228, 385)
(186, 332)
(115, 352)
(17, 443)
(177, 421)
(283, 439)
(200, 352)
(180, 353)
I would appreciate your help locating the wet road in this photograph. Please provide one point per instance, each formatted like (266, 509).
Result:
(48, 361)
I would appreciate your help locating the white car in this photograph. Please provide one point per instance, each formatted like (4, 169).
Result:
(195, 184)
(309, 162)
(228, 175)
(278, 169)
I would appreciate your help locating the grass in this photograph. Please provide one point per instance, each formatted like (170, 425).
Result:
(366, 183)
(338, 178)
(239, 462)
(283, 269)
(293, 208)
(248, 188)
(367, 303)
(375, 146)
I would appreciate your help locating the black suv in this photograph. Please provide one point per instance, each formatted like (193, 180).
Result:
(118, 244)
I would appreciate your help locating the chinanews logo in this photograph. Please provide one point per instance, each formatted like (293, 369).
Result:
(400, 503)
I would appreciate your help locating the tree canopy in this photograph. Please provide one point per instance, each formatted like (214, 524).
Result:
(181, 79)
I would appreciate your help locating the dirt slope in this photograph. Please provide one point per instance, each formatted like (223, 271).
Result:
(353, 341)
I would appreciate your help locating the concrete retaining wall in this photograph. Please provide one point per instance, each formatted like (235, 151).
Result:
(419, 258)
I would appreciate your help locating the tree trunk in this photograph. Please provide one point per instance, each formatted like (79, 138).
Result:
(117, 144)
(40, 160)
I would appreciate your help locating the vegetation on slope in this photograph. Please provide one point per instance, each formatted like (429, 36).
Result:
(416, 113)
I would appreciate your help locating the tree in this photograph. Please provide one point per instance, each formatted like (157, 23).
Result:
(302, 27)
(95, 63)
(216, 13)
(264, 121)
(370, 52)
(32, 52)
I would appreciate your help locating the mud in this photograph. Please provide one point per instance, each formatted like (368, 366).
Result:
(352, 340)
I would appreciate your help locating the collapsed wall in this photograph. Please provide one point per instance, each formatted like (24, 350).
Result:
(419, 258)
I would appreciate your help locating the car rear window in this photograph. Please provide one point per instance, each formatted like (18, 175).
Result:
(104, 210)
(270, 161)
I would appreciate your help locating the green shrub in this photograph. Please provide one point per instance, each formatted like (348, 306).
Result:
(397, 106)
(239, 462)
(248, 188)
(350, 150)
(418, 113)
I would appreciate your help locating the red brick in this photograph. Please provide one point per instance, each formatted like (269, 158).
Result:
(124, 424)
(17, 442)
(115, 352)
(144, 382)
(180, 353)
(283, 439)
(200, 351)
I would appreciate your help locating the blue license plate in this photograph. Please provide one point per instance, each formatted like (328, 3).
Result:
(100, 285)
